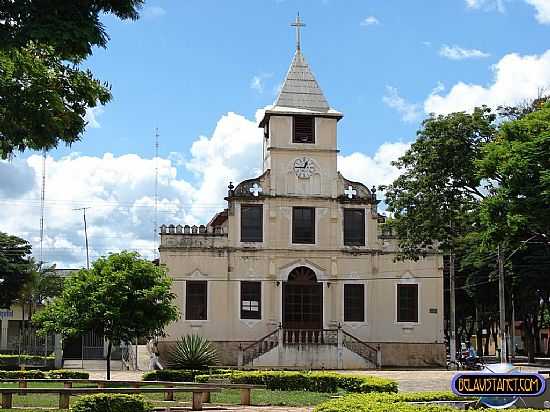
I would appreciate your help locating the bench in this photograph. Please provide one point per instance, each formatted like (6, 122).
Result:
(66, 393)
(245, 389)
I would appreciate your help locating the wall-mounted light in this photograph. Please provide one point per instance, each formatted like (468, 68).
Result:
(328, 284)
(277, 283)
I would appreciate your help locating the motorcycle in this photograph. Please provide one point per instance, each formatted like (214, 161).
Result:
(465, 362)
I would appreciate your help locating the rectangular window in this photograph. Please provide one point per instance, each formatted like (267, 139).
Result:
(303, 225)
(354, 303)
(407, 303)
(196, 300)
(251, 300)
(251, 223)
(304, 129)
(354, 227)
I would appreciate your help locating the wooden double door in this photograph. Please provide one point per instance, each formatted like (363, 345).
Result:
(302, 300)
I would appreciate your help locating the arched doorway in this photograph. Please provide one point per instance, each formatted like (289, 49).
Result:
(302, 300)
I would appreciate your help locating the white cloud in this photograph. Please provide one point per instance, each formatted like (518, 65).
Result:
(459, 53)
(120, 192)
(516, 78)
(410, 112)
(373, 170)
(543, 10)
(258, 81)
(151, 12)
(487, 5)
(92, 113)
(370, 21)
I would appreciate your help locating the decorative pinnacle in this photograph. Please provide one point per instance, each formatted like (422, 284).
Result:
(298, 24)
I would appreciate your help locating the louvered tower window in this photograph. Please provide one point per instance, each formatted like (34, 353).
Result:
(304, 129)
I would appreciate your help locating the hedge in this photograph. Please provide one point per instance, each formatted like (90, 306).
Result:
(111, 402)
(309, 381)
(179, 375)
(389, 402)
(67, 374)
(26, 374)
(12, 362)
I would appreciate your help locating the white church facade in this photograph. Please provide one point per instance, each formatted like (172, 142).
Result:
(296, 272)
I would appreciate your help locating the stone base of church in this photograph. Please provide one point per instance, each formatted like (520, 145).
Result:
(415, 355)
(394, 354)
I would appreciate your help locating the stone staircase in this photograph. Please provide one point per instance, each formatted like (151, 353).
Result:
(312, 349)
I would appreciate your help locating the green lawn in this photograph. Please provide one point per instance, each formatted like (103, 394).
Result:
(226, 396)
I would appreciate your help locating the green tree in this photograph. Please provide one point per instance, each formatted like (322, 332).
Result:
(44, 93)
(433, 201)
(122, 295)
(15, 267)
(515, 215)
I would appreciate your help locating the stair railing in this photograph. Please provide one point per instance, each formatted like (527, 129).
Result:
(369, 352)
(248, 353)
(310, 336)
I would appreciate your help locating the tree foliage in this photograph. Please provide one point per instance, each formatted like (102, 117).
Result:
(431, 201)
(15, 267)
(122, 295)
(44, 93)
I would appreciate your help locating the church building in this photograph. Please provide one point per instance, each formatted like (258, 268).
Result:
(296, 271)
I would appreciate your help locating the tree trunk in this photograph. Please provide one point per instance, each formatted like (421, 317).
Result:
(529, 341)
(109, 348)
(479, 336)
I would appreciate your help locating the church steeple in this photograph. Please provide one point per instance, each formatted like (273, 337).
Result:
(300, 93)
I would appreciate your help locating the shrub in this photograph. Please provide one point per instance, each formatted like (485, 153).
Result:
(205, 378)
(192, 352)
(106, 402)
(12, 362)
(312, 381)
(171, 375)
(27, 374)
(67, 374)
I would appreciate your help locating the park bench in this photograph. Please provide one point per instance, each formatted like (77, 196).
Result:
(66, 393)
(245, 389)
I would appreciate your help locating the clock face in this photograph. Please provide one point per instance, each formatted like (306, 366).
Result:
(304, 167)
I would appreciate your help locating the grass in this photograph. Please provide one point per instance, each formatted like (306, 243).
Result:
(260, 397)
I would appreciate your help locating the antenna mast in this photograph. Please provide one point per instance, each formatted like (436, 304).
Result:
(42, 205)
(155, 223)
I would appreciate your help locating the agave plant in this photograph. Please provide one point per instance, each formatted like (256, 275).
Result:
(193, 352)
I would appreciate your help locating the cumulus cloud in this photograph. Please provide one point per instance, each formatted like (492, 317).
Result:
(370, 21)
(410, 112)
(543, 10)
(120, 193)
(373, 170)
(516, 78)
(459, 53)
(91, 116)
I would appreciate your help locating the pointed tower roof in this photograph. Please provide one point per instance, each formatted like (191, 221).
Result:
(300, 93)
(300, 89)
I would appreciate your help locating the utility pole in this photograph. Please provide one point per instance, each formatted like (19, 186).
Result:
(85, 235)
(502, 306)
(42, 206)
(155, 223)
(452, 308)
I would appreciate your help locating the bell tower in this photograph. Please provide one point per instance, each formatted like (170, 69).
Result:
(300, 142)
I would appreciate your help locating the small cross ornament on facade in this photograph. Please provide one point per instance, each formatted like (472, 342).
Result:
(350, 192)
(256, 190)
(298, 24)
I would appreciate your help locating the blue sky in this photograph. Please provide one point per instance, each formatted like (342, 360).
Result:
(185, 63)
(200, 70)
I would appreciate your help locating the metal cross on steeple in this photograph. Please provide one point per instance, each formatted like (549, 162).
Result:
(298, 24)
